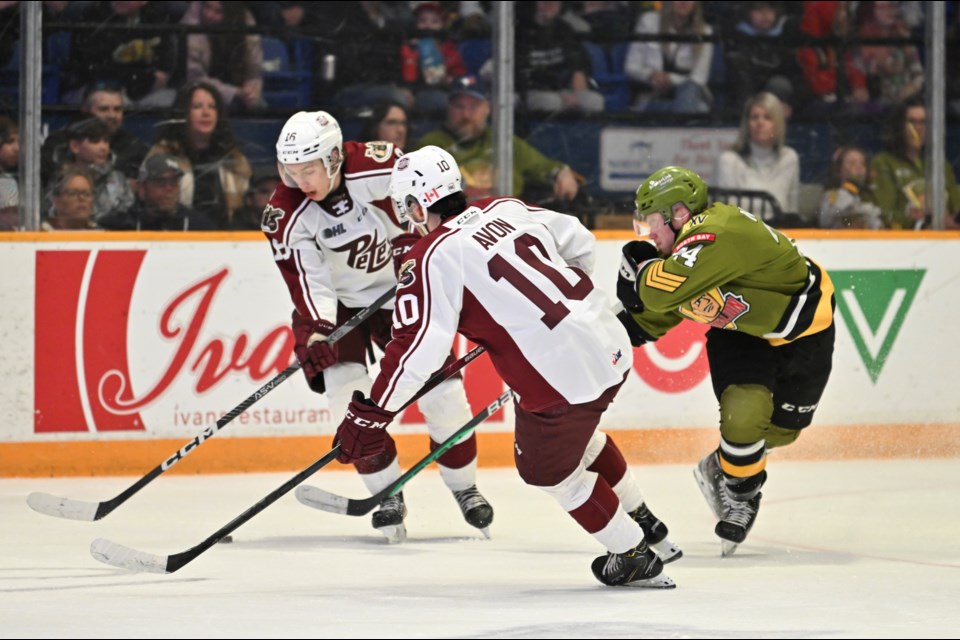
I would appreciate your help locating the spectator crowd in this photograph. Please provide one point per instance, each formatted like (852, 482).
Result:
(419, 73)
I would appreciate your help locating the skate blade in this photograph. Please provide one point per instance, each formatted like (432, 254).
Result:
(395, 533)
(662, 581)
(667, 551)
(707, 493)
(728, 548)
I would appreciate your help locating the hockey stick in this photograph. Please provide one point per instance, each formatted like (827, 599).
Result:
(82, 510)
(125, 557)
(326, 501)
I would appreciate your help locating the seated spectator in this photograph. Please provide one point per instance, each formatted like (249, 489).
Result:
(760, 160)
(673, 75)
(388, 121)
(157, 207)
(894, 73)
(845, 201)
(71, 199)
(431, 61)
(216, 173)
(467, 136)
(255, 200)
(897, 175)
(368, 62)
(758, 60)
(142, 62)
(103, 101)
(88, 146)
(553, 69)
(9, 165)
(231, 62)
(820, 64)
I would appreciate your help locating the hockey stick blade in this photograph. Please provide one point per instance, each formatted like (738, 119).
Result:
(325, 501)
(89, 511)
(118, 555)
(124, 557)
(63, 507)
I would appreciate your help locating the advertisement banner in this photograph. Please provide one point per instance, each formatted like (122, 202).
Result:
(159, 339)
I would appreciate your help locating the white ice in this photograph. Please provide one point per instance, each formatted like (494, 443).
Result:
(840, 550)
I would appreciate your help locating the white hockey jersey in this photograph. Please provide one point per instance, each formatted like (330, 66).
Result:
(338, 249)
(515, 279)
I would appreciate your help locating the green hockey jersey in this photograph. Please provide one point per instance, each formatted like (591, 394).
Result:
(730, 270)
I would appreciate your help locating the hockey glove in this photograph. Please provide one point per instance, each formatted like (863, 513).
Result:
(312, 349)
(363, 430)
(401, 245)
(638, 337)
(634, 254)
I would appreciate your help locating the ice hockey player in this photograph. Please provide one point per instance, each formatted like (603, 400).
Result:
(333, 231)
(515, 279)
(770, 342)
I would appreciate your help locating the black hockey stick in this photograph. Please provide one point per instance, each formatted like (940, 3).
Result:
(326, 501)
(82, 510)
(124, 557)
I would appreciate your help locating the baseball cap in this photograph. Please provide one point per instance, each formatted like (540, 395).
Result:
(471, 86)
(162, 165)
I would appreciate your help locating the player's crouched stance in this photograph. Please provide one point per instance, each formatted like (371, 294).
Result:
(770, 345)
(515, 279)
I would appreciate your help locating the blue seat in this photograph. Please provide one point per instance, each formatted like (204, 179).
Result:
(475, 52)
(284, 85)
(607, 71)
(10, 79)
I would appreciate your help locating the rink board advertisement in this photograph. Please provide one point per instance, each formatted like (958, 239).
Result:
(118, 338)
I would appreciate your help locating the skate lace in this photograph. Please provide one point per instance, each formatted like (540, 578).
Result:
(738, 513)
(393, 503)
(469, 498)
(613, 564)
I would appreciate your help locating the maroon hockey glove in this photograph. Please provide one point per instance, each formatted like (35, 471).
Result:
(401, 245)
(313, 351)
(363, 430)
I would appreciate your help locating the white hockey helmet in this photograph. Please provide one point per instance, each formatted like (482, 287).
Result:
(309, 136)
(424, 176)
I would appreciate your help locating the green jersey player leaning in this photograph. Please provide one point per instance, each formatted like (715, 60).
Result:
(770, 342)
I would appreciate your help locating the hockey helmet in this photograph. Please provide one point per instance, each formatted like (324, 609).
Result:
(663, 190)
(308, 136)
(424, 177)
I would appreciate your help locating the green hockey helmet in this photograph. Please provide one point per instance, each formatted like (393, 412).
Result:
(666, 187)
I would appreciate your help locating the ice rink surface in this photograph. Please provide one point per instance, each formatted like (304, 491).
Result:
(840, 550)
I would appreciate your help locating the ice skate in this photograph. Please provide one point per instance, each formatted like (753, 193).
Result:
(737, 522)
(388, 519)
(638, 567)
(711, 482)
(475, 508)
(655, 533)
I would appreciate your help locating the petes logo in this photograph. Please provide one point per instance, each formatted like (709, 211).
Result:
(270, 220)
(403, 163)
(379, 151)
(406, 276)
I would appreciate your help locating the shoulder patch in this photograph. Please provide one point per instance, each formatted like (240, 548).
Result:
(378, 150)
(697, 237)
(406, 277)
(270, 220)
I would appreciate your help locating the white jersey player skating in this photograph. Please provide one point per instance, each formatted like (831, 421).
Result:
(515, 279)
(333, 230)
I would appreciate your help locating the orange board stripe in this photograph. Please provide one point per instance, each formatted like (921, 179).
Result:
(642, 446)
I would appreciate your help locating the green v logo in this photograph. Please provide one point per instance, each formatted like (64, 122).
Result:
(874, 305)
